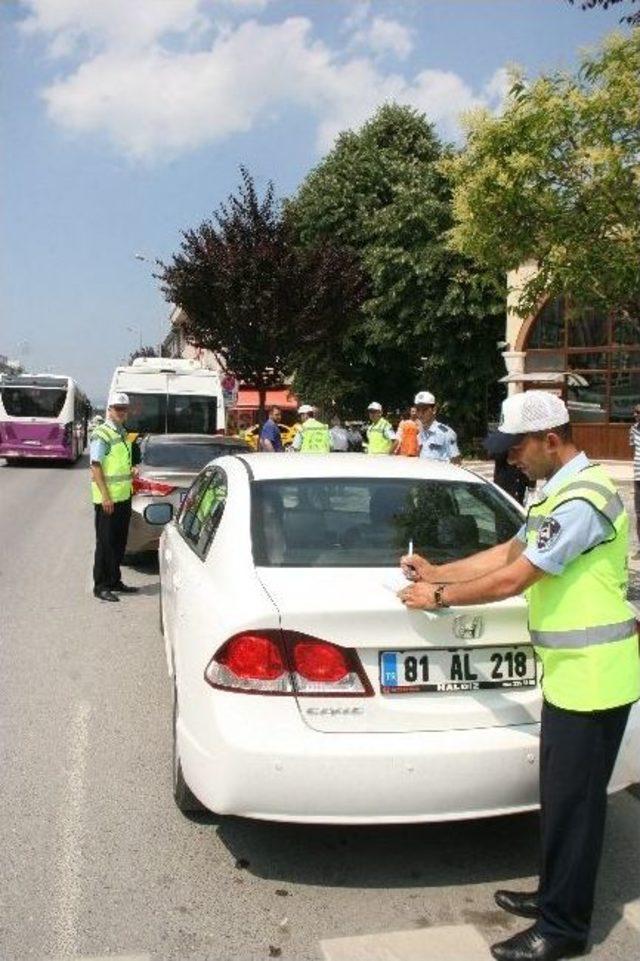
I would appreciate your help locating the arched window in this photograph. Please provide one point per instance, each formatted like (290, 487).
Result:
(597, 351)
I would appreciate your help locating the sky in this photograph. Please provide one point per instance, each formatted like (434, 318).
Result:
(126, 123)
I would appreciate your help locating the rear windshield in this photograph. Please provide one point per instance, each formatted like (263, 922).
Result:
(191, 457)
(172, 414)
(369, 523)
(33, 401)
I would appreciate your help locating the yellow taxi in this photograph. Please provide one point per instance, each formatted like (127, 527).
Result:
(287, 433)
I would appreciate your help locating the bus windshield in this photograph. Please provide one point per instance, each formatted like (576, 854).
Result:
(33, 401)
(172, 414)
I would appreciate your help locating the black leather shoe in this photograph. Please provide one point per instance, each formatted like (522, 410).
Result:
(124, 589)
(106, 595)
(529, 945)
(524, 904)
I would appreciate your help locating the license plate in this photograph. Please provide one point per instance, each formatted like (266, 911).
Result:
(457, 669)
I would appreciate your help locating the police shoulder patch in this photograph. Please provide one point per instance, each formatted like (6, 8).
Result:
(548, 533)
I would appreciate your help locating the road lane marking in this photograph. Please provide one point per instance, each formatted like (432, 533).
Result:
(71, 829)
(111, 957)
(444, 943)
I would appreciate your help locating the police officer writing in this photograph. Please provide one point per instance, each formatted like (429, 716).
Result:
(111, 488)
(437, 440)
(571, 558)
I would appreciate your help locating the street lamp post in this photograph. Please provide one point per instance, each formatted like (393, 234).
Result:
(147, 260)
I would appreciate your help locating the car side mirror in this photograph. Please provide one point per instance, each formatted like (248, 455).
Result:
(158, 514)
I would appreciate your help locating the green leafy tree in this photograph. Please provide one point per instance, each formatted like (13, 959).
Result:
(147, 351)
(632, 18)
(430, 319)
(556, 179)
(251, 294)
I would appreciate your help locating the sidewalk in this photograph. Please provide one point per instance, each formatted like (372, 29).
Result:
(620, 471)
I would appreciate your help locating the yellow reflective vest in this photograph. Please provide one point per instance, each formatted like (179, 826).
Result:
(316, 438)
(378, 443)
(116, 466)
(582, 627)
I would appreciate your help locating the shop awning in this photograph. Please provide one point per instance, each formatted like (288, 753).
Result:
(546, 377)
(249, 399)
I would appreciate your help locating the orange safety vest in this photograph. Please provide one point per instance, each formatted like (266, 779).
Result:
(408, 430)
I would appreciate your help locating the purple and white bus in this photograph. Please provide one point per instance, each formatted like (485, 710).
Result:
(42, 415)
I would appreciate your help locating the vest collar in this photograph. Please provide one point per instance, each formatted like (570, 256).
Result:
(574, 466)
(116, 427)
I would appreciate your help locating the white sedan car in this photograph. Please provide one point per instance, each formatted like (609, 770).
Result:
(303, 689)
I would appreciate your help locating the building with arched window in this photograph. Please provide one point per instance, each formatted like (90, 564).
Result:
(590, 357)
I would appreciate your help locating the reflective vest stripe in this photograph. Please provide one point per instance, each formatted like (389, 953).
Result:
(586, 485)
(585, 637)
(113, 478)
(613, 508)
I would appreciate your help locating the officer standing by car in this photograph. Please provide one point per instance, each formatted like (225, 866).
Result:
(313, 436)
(380, 433)
(111, 489)
(437, 440)
(571, 558)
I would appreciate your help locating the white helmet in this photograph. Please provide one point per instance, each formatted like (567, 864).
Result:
(305, 409)
(118, 399)
(424, 398)
(374, 405)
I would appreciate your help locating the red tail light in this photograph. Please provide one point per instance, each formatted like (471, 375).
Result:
(253, 662)
(319, 661)
(285, 662)
(253, 656)
(152, 488)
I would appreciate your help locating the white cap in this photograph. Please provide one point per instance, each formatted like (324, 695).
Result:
(118, 399)
(374, 405)
(526, 413)
(426, 398)
(305, 409)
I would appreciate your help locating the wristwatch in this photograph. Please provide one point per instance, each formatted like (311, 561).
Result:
(438, 595)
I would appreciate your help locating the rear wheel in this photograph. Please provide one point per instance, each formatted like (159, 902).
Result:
(184, 797)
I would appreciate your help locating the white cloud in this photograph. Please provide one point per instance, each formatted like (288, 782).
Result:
(384, 36)
(158, 78)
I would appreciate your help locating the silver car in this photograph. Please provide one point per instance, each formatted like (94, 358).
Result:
(168, 465)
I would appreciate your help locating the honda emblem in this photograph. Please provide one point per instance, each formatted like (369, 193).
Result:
(468, 627)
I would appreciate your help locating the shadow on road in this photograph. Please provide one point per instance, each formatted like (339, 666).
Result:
(419, 855)
(41, 463)
(497, 851)
(144, 563)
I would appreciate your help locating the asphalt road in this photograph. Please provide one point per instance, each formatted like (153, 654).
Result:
(96, 859)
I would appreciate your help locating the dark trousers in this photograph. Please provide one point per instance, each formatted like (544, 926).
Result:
(636, 500)
(111, 543)
(577, 754)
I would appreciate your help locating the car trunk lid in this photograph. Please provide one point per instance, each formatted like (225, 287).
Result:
(358, 608)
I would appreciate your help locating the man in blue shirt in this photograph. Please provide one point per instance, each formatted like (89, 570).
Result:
(270, 439)
(437, 441)
(578, 747)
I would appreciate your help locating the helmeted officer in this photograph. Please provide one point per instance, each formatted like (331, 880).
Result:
(111, 489)
(313, 436)
(571, 558)
(437, 440)
(380, 433)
